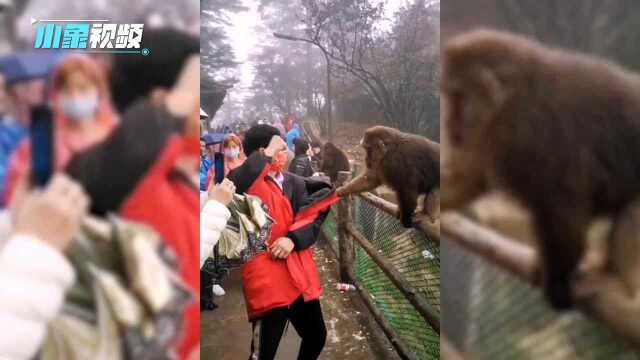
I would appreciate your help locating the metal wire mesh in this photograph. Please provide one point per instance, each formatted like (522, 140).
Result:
(415, 256)
(330, 229)
(491, 314)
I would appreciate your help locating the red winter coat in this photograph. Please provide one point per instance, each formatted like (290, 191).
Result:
(132, 173)
(149, 204)
(272, 283)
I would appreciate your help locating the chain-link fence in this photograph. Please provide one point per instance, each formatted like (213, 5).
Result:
(491, 314)
(414, 255)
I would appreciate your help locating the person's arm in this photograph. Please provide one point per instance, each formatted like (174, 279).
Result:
(213, 219)
(214, 216)
(306, 236)
(245, 175)
(34, 278)
(110, 170)
(34, 274)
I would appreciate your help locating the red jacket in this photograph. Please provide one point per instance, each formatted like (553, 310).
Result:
(132, 173)
(272, 283)
(149, 204)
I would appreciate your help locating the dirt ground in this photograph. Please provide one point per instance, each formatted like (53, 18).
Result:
(351, 332)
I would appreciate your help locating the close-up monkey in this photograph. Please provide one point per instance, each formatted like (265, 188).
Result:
(556, 130)
(409, 164)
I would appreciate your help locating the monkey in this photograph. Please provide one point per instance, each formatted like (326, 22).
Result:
(557, 130)
(608, 283)
(333, 161)
(407, 163)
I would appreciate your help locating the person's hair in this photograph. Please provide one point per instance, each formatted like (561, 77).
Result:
(134, 77)
(232, 139)
(257, 137)
(301, 146)
(84, 65)
(96, 74)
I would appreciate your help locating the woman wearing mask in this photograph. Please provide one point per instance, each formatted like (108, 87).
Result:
(234, 156)
(82, 115)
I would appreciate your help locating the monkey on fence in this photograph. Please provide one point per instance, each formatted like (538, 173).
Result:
(558, 131)
(407, 163)
(333, 161)
(607, 285)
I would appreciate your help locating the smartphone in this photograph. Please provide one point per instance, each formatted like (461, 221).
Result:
(218, 161)
(42, 152)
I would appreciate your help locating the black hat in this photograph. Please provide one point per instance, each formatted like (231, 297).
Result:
(257, 137)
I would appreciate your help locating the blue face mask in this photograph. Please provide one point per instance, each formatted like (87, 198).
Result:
(232, 154)
(79, 109)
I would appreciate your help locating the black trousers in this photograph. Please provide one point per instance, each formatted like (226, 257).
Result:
(306, 318)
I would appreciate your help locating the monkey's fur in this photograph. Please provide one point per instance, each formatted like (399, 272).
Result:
(333, 161)
(608, 285)
(557, 130)
(407, 163)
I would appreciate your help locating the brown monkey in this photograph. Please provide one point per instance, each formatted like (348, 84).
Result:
(608, 287)
(333, 161)
(558, 131)
(407, 163)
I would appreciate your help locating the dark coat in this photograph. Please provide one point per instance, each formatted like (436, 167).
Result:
(301, 165)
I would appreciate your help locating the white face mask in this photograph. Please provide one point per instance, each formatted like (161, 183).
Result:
(233, 153)
(79, 109)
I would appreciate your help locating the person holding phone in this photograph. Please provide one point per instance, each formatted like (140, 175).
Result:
(234, 157)
(214, 216)
(82, 116)
(34, 273)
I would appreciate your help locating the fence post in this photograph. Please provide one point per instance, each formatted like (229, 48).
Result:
(345, 242)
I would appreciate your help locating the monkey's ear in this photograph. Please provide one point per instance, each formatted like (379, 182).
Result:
(495, 91)
(380, 146)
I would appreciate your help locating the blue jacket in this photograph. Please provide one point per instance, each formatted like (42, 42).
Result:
(205, 165)
(292, 135)
(11, 135)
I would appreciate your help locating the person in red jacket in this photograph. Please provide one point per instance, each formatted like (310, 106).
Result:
(146, 170)
(282, 284)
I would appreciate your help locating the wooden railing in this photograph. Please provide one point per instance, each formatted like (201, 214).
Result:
(347, 233)
(516, 258)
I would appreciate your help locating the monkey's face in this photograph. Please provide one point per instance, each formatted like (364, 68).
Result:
(477, 82)
(375, 143)
(482, 71)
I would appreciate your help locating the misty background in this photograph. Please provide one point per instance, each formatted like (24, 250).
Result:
(383, 55)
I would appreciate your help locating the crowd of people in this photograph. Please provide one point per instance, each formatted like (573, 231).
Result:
(125, 143)
(279, 278)
(125, 133)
